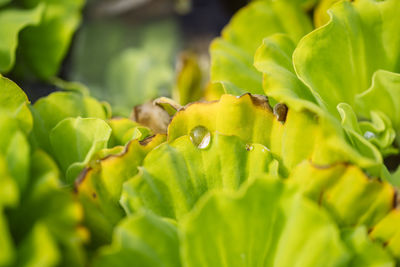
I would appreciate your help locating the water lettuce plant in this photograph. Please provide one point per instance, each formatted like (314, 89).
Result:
(292, 161)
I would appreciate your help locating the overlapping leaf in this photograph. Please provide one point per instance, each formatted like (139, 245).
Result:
(346, 192)
(175, 175)
(47, 215)
(251, 119)
(387, 232)
(48, 113)
(309, 80)
(208, 160)
(321, 15)
(125, 130)
(360, 41)
(75, 141)
(35, 211)
(232, 54)
(262, 226)
(99, 188)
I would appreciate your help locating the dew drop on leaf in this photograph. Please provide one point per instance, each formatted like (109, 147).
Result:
(200, 137)
(369, 135)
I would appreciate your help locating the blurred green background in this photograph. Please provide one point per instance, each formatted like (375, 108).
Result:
(128, 52)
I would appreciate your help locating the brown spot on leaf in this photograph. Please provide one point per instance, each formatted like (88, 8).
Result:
(146, 140)
(280, 111)
(81, 178)
(396, 199)
(261, 101)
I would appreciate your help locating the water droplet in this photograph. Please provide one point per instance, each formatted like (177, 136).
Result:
(369, 135)
(265, 149)
(249, 147)
(200, 137)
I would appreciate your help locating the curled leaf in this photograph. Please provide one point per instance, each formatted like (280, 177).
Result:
(356, 34)
(74, 142)
(232, 54)
(48, 112)
(125, 130)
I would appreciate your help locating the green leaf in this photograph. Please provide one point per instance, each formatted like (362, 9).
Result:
(305, 4)
(274, 59)
(38, 249)
(356, 202)
(189, 79)
(395, 177)
(8, 253)
(43, 47)
(349, 195)
(251, 119)
(175, 175)
(260, 226)
(15, 101)
(8, 187)
(99, 188)
(366, 252)
(321, 16)
(55, 209)
(142, 240)
(125, 130)
(167, 104)
(231, 64)
(9, 196)
(378, 131)
(232, 54)
(384, 96)
(48, 112)
(387, 232)
(338, 61)
(15, 148)
(13, 21)
(70, 86)
(252, 21)
(75, 141)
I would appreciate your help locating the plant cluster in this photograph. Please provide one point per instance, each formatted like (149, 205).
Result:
(294, 163)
